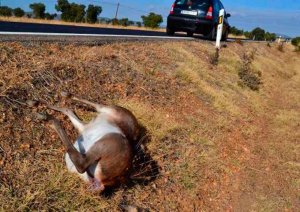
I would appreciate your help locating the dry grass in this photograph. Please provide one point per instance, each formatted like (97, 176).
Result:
(219, 146)
(58, 22)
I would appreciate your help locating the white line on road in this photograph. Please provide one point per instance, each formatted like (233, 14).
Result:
(93, 35)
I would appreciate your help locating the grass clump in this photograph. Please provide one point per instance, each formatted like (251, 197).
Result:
(214, 58)
(248, 76)
(281, 47)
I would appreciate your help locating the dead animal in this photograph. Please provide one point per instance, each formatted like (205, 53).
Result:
(103, 153)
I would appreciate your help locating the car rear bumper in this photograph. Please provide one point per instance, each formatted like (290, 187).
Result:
(196, 25)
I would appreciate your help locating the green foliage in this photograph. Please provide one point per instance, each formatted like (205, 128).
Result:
(77, 12)
(115, 21)
(139, 24)
(270, 36)
(152, 20)
(38, 10)
(247, 34)
(18, 12)
(258, 34)
(70, 12)
(92, 13)
(62, 6)
(49, 16)
(6, 11)
(236, 31)
(296, 41)
(124, 22)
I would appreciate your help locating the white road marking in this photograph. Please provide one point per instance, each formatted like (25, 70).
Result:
(93, 35)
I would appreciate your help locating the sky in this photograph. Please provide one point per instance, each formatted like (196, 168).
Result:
(278, 16)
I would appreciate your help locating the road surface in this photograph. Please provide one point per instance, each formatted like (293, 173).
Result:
(28, 31)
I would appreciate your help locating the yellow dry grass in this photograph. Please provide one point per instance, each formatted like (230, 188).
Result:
(219, 146)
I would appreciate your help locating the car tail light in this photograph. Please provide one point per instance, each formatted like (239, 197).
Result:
(172, 9)
(209, 14)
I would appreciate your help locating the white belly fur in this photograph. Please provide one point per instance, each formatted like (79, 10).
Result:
(92, 133)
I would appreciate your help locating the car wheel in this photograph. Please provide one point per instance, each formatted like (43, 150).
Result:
(211, 35)
(190, 34)
(170, 31)
(225, 36)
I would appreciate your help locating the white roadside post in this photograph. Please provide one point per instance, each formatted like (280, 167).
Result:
(220, 28)
(219, 35)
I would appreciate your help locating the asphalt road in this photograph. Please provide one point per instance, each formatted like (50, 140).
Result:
(51, 28)
(16, 31)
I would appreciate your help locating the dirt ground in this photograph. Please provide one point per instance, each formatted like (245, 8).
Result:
(217, 145)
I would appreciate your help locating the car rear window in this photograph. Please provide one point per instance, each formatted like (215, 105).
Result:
(193, 4)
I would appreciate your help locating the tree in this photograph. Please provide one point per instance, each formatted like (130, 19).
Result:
(296, 43)
(64, 7)
(258, 34)
(124, 22)
(77, 12)
(49, 16)
(38, 10)
(18, 12)
(270, 36)
(236, 31)
(115, 21)
(6, 11)
(152, 20)
(92, 13)
(70, 12)
(139, 24)
(247, 34)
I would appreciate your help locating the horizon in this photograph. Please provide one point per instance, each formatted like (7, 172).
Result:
(273, 16)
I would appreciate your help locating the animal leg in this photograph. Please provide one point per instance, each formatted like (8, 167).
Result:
(98, 107)
(81, 161)
(96, 185)
(74, 119)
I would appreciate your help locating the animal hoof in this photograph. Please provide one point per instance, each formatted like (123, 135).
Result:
(42, 116)
(31, 103)
(130, 208)
(65, 94)
(96, 186)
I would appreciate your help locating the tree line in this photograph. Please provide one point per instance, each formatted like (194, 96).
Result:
(256, 34)
(296, 43)
(73, 12)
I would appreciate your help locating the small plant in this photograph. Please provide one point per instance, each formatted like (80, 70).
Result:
(269, 45)
(281, 47)
(248, 76)
(239, 41)
(214, 58)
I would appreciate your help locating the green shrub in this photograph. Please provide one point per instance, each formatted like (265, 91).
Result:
(70, 12)
(92, 13)
(49, 16)
(152, 20)
(18, 12)
(6, 11)
(296, 43)
(38, 10)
